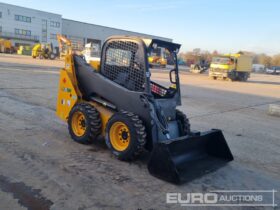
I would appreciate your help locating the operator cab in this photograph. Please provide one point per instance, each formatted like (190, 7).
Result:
(162, 59)
(136, 63)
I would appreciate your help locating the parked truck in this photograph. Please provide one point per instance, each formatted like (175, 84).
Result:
(234, 67)
(6, 46)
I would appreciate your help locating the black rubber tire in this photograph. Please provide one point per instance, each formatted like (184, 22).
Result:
(137, 135)
(244, 77)
(196, 67)
(184, 123)
(51, 56)
(92, 121)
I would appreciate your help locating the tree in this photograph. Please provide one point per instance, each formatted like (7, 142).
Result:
(196, 51)
(276, 60)
(264, 59)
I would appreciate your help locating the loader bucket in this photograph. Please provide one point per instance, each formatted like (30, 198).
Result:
(185, 158)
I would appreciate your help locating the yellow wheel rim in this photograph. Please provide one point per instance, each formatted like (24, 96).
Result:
(78, 124)
(119, 136)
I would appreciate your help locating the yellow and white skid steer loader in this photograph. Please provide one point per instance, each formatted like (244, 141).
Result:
(117, 98)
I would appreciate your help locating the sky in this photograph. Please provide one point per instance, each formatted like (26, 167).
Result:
(223, 25)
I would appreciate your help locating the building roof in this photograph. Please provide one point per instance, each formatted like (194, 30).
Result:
(30, 9)
(141, 34)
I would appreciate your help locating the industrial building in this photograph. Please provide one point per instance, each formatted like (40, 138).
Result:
(81, 33)
(25, 26)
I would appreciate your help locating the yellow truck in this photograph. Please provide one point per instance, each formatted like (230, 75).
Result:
(234, 67)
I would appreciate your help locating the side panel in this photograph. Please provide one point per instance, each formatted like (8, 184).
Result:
(67, 96)
(92, 83)
(35, 50)
(244, 63)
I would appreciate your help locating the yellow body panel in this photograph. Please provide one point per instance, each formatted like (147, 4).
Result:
(220, 66)
(69, 94)
(5, 45)
(236, 55)
(35, 50)
(244, 63)
(95, 65)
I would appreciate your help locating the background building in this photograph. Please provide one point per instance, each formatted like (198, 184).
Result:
(26, 26)
(81, 33)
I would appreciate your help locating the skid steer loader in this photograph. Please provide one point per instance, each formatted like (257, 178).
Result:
(118, 99)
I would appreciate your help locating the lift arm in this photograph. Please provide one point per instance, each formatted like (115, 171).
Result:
(62, 41)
